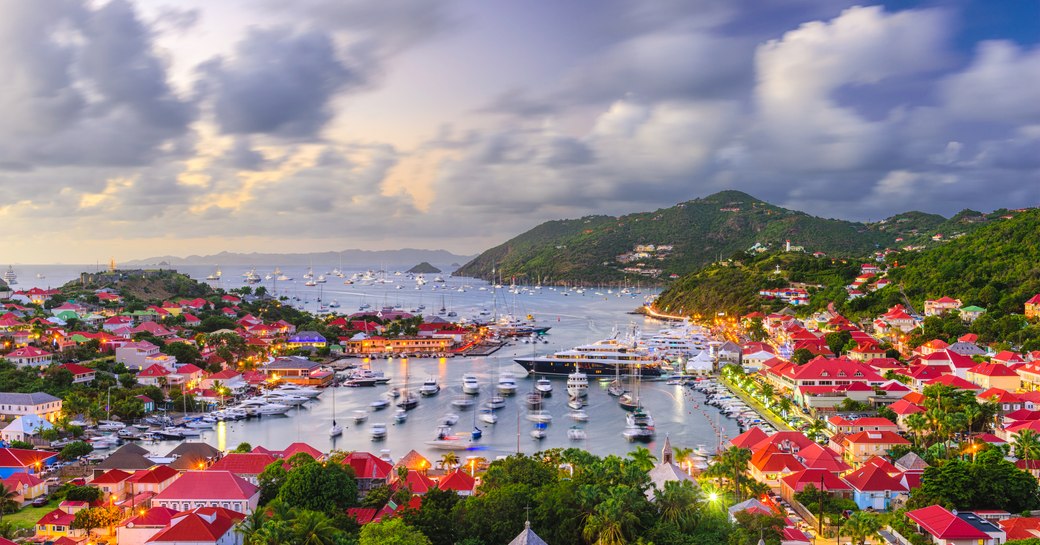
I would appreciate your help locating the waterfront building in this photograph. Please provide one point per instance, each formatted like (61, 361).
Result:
(376, 345)
(297, 370)
(13, 405)
(306, 339)
(840, 424)
(370, 470)
(209, 489)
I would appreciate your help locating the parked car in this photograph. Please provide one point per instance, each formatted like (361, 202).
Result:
(40, 501)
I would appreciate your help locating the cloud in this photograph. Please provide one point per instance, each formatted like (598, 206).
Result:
(1000, 85)
(279, 82)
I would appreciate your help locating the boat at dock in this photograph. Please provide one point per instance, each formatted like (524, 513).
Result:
(606, 357)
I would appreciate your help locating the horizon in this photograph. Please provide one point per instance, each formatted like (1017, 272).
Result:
(460, 124)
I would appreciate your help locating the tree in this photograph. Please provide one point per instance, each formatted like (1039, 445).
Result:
(391, 532)
(183, 352)
(611, 522)
(643, 458)
(127, 380)
(802, 356)
(313, 528)
(837, 340)
(7, 499)
(434, 516)
(679, 503)
(97, 517)
(815, 429)
(271, 480)
(449, 460)
(244, 448)
(326, 488)
(88, 494)
(1027, 445)
(917, 424)
(862, 526)
(75, 450)
(731, 466)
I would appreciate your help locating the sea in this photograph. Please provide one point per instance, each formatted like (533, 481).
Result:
(679, 412)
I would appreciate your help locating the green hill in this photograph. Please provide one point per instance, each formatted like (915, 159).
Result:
(995, 266)
(424, 268)
(694, 233)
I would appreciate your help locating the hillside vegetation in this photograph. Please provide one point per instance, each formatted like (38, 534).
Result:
(699, 232)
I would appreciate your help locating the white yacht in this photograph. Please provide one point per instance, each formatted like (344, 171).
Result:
(606, 357)
(293, 389)
(429, 387)
(10, 277)
(577, 384)
(470, 385)
(544, 386)
(378, 431)
(506, 384)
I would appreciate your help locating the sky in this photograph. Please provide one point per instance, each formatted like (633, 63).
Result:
(151, 127)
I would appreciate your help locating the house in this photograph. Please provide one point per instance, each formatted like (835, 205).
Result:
(189, 375)
(228, 378)
(944, 527)
(840, 424)
(771, 464)
(134, 355)
(129, 457)
(37, 403)
(16, 460)
(306, 339)
(117, 322)
(112, 483)
(860, 447)
(193, 455)
(663, 472)
(139, 529)
(369, 470)
(24, 428)
(1032, 307)
(202, 526)
(819, 478)
(1006, 401)
(29, 355)
(80, 374)
(873, 488)
(209, 489)
(297, 370)
(27, 486)
(940, 306)
(56, 524)
(460, 483)
(994, 375)
(154, 480)
(157, 375)
(249, 465)
(971, 313)
(1021, 527)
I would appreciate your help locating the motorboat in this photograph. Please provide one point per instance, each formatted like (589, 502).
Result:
(378, 432)
(360, 416)
(295, 389)
(576, 434)
(539, 433)
(400, 415)
(606, 357)
(429, 388)
(273, 409)
(408, 401)
(379, 404)
(533, 400)
(575, 403)
(540, 416)
(190, 432)
(495, 403)
(579, 416)
(463, 403)
(449, 419)
(487, 416)
(470, 385)
(506, 384)
(577, 384)
(199, 424)
(544, 386)
(447, 441)
(636, 433)
(110, 425)
(170, 433)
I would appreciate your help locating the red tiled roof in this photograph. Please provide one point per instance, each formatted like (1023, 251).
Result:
(772, 460)
(77, 369)
(16, 457)
(154, 371)
(993, 370)
(815, 456)
(156, 475)
(999, 395)
(156, 516)
(304, 448)
(1021, 527)
(191, 527)
(417, 482)
(749, 438)
(458, 481)
(251, 463)
(954, 381)
(943, 524)
(877, 437)
(819, 478)
(111, 476)
(782, 438)
(903, 407)
(19, 478)
(188, 369)
(56, 517)
(989, 438)
(883, 464)
(212, 485)
(368, 466)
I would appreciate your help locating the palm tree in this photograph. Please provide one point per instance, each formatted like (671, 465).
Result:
(815, 429)
(252, 524)
(972, 413)
(449, 460)
(643, 458)
(314, 528)
(1027, 445)
(767, 390)
(732, 465)
(7, 496)
(784, 405)
(610, 521)
(679, 503)
(680, 454)
(916, 423)
(862, 526)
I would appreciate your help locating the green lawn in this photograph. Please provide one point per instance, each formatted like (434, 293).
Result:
(27, 517)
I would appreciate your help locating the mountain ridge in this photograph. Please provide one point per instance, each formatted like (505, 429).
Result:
(350, 258)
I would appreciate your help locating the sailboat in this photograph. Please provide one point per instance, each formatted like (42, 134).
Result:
(616, 388)
(215, 276)
(408, 400)
(336, 430)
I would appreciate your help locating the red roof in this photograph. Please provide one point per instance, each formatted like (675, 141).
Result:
(786, 439)
(250, 463)
(954, 381)
(198, 526)
(883, 464)
(77, 369)
(155, 371)
(943, 524)
(188, 369)
(28, 352)
(417, 483)
(368, 466)
(903, 407)
(999, 395)
(815, 456)
(16, 457)
(156, 475)
(1021, 527)
(22, 479)
(877, 437)
(993, 370)
(772, 460)
(820, 478)
(458, 481)
(156, 516)
(304, 448)
(211, 485)
(111, 476)
(989, 438)
(749, 438)
(56, 517)
(1022, 415)
(870, 478)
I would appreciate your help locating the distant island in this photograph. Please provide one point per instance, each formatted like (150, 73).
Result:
(424, 268)
(353, 258)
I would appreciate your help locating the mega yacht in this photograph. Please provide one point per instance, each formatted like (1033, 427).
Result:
(606, 357)
(9, 277)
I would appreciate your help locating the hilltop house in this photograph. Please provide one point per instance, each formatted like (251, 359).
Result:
(37, 403)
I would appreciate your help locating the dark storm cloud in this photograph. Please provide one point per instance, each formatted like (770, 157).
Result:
(243, 156)
(279, 82)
